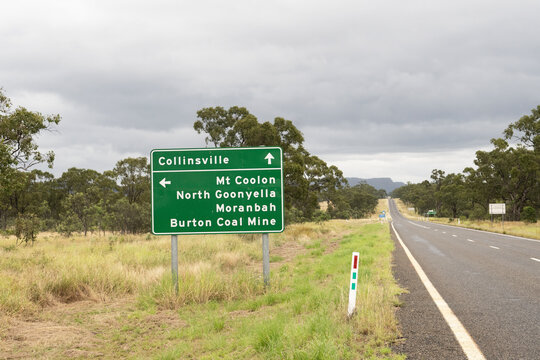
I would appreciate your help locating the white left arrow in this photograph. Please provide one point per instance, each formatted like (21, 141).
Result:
(269, 157)
(164, 183)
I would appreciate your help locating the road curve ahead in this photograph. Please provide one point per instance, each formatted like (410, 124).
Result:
(490, 282)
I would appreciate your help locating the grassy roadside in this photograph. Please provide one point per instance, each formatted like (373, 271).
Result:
(516, 228)
(111, 297)
(382, 206)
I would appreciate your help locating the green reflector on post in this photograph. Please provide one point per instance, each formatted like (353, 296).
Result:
(353, 286)
(354, 276)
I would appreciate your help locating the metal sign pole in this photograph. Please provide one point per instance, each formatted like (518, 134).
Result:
(199, 191)
(174, 261)
(266, 259)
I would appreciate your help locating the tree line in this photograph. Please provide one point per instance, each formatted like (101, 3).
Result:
(308, 180)
(509, 174)
(84, 200)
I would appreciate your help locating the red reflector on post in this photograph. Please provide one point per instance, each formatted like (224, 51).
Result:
(355, 264)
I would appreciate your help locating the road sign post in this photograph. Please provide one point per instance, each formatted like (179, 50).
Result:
(497, 209)
(266, 259)
(174, 261)
(217, 191)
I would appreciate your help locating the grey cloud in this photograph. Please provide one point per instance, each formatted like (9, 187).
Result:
(353, 76)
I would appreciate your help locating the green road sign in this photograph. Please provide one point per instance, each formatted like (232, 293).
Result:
(218, 190)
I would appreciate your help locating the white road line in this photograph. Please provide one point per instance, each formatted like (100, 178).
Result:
(444, 232)
(491, 233)
(535, 259)
(454, 235)
(467, 343)
(470, 240)
(422, 226)
(494, 247)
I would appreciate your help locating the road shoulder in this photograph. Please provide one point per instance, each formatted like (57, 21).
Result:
(425, 334)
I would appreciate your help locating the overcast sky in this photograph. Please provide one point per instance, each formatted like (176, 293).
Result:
(379, 88)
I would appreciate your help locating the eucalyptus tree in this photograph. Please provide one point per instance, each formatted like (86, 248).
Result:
(18, 128)
(133, 174)
(526, 130)
(132, 212)
(307, 179)
(453, 195)
(18, 154)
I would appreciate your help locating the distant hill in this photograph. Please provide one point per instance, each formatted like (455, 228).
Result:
(378, 183)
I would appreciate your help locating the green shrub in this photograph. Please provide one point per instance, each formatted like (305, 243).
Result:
(27, 228)
(528, 215)
(478, 213)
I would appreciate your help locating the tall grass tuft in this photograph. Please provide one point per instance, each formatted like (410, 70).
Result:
(202, 286)
(63, 270)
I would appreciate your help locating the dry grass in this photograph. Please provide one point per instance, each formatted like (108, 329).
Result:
(57, 269)
(516, 228)
(381, 206)
(64, 270)
(323, 205)
(404, 210)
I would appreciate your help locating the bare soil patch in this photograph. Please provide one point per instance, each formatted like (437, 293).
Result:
(81, 329)
(43, 339)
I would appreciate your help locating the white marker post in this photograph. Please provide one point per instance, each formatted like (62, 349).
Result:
(354, 281)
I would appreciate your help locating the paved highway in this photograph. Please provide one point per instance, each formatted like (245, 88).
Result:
(490, 282)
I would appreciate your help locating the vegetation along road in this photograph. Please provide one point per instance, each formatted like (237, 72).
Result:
(486, 289)
(111, 296)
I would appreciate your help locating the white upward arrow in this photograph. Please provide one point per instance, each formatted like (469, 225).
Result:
(164, 183)
(269, 157)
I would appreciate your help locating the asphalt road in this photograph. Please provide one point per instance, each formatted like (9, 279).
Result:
(490, 281)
